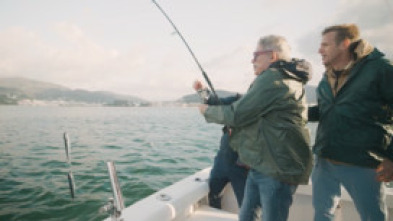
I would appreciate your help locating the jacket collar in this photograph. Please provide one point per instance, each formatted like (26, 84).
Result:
(359, 49)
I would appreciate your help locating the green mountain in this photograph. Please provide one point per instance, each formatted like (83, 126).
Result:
(14, 90)
(194, 98)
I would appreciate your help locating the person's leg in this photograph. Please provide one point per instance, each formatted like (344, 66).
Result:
(250, 208)
(237, 175)
(216, 186)
(326, 191)
(238, 178)
(217, 182)
(276, 197)
(366, 192)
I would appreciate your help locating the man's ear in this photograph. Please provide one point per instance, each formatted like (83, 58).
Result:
(274, 57)
(345, 43)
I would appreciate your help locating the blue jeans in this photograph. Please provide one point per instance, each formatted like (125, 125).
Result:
(226, 170)
(266, 193)
(361, 184)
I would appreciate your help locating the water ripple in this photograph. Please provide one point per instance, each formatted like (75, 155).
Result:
(152, 148)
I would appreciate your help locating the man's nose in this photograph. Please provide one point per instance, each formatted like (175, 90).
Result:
(320, 50)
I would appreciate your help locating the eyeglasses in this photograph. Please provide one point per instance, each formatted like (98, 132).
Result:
(257, 53)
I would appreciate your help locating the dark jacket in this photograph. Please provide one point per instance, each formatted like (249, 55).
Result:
(355, 110)
(268, 123)
(225, 154)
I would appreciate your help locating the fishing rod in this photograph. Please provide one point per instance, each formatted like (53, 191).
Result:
(189, 49)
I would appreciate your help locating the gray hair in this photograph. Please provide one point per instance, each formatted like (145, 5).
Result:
(277, 44)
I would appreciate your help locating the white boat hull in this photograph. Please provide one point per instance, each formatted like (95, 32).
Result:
(186, 200)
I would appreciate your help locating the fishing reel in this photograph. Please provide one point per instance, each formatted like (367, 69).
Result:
(204, 94)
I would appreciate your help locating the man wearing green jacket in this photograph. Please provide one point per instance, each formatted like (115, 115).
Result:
(353, 144)
(268, 130)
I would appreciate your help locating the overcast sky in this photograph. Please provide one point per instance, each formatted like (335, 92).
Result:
(128, 47)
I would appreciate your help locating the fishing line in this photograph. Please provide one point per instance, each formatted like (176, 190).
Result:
(189, 49)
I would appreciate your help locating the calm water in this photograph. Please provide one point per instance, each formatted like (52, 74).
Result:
(152, 148)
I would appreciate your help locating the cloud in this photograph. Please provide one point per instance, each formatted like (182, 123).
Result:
(132, 56)
(74, 61)
(232, 66)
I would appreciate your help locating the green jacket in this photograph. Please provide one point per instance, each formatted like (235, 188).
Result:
(268, 123)
(356, 119)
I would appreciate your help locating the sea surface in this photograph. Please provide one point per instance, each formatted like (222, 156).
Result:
(152, 147)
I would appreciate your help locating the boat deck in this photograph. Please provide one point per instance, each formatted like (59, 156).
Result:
(206, 213)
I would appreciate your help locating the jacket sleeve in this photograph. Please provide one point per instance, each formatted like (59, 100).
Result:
(222, 101)
(386, 88)
(266, 89)
(386, 91)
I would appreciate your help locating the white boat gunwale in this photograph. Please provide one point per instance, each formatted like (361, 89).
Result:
(186, 200)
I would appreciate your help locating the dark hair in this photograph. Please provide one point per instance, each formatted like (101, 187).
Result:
(344, 31)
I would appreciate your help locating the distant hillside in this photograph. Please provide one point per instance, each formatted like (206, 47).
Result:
(194, 98)
(14, 90)
(28, 86)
